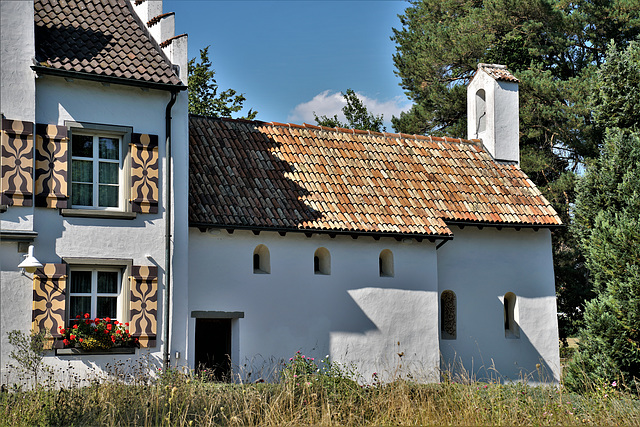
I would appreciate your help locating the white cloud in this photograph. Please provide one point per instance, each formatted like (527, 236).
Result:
(329, 103)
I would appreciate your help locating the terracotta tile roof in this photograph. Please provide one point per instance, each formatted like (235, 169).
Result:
(270, 175)
(102, 37)
(498, 72)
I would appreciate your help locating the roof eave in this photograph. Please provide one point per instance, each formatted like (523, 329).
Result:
(431, 237)
(106, 79)
(515, 225)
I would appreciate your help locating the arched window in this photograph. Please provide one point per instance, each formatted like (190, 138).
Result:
(322, 261)
(448, 315)
(481, 112)
(261, 260)
(385, 263)
(511, 329)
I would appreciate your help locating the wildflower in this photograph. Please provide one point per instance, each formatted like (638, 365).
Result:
(615, 383)
(312, 359)
(290, 359)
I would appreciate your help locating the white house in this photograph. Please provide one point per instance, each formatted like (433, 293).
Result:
(396, 253)
(93, 93)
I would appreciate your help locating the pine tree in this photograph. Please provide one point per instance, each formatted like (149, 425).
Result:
(607, 223)
(203, 91)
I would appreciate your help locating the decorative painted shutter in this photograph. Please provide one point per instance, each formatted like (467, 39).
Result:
(49, 297)
(144, 173)
(17, 163)
(51, 166)
(143, 316)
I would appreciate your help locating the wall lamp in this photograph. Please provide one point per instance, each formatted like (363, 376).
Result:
(30, 263)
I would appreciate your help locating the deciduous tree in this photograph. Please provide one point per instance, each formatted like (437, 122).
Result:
(356, 113)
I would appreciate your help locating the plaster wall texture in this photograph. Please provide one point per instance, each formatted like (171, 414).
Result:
(481, 266)
(501, 135)
(17, 84)
(140, 240)
(353, 315)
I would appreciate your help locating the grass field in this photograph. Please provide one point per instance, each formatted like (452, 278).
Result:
(310, 393)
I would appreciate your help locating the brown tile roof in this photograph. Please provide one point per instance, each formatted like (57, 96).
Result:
(498, 72)
(270, 175)
(100, 37)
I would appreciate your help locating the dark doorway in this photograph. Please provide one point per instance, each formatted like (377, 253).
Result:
(213, 348)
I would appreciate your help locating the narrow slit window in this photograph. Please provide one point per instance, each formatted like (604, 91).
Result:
(511, 329)
(385, 263)
(261, 260)
(322, 261)
(448, 315)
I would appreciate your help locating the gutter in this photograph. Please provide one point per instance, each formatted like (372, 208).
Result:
(167, 237)
(40, 70)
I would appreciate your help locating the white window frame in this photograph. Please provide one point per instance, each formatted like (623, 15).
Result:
(122, 266)
(123, 134)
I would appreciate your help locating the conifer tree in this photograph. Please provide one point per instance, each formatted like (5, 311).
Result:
(607, 223)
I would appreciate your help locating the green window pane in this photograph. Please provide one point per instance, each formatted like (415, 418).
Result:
(82, 146)
(82, 171)
(109, 148)
(79, 305)
(108, 196)
(108, 173)
(81, 282)
(82, 194)
(107, 307)
(107, 282)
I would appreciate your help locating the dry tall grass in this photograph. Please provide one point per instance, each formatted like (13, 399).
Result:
(306, 397)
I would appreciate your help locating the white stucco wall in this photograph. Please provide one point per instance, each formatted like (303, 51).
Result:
(353, 314)
(17, 84)
(481, 266)
(140, 240)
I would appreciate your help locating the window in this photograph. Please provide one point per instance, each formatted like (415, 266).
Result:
(448, 315)
(322, 261)
(96, 171)
(97, 292)
(511, 329)
(261, 260)
(385, 263)
(100, 167)
(481, 112)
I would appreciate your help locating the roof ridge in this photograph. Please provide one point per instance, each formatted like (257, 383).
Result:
(153, 21)
(415, 137)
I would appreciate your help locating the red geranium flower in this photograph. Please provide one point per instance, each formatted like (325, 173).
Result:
(109, 326)
(72, 337)
(80, 339)
(118, 332)
(108, 319)
(62, 331)
(106, 332)
(75, 326)
(115, 322)
(88, 322)
(86, 315)
(113, 339)
(126, 324)
(97, 320)
(78, 316)
(66, 341)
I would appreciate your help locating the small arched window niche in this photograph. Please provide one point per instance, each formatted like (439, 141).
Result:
(385, 263)
(481, 112)
(511, 329)
(322, 261)
(448, 315)
(261, 260)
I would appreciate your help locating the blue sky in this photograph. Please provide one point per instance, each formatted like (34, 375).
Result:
(291, 58)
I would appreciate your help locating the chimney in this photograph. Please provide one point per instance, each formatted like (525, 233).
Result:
(493, 111)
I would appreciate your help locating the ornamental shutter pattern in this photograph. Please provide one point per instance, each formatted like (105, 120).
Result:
(144, 173)
(49, 284)
(17, 163)
(51, 166)
(143, 316)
